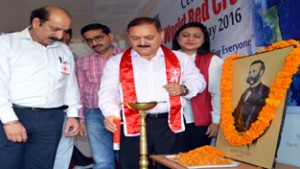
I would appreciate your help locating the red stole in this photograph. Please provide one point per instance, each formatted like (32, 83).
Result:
(131, 117)
(201, 103)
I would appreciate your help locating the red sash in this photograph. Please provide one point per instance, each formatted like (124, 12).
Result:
(131, 117)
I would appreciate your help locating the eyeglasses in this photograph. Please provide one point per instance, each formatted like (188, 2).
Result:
(96, 39)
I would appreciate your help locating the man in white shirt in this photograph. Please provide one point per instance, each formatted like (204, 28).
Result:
(38, 83)
(147, 72)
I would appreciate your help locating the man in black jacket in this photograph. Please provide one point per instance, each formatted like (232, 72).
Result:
(252, 99)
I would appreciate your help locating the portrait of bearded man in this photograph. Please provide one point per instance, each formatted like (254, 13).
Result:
(252, 99)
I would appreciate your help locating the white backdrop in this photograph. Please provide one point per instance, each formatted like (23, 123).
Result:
(229, 22)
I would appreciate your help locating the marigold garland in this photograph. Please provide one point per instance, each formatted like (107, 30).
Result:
(277, 93)
(205, 155)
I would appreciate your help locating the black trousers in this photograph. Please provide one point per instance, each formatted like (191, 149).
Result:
(160, 139)
(44, 129)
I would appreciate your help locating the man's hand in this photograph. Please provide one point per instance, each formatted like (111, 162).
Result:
(212, 130)
(82, 130)
(109, 124)
(72, 126)
(15, 131)
(174, 89)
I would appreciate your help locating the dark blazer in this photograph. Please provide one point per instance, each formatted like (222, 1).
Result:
(248, 108)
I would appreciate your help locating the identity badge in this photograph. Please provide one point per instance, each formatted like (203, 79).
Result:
(65, 68)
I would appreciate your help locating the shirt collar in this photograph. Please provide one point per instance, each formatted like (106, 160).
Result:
(115, 52)
(26, 35)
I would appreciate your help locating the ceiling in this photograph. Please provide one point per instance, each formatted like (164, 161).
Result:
(14, 14)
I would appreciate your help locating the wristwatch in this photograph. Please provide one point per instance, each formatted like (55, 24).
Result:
(185, 91)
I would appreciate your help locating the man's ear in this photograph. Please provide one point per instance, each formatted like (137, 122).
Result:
(36, 22)
(111, 36)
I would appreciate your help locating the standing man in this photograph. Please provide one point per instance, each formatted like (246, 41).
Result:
(38, 84)
(253, 98)
(89, 70)
(148, 72)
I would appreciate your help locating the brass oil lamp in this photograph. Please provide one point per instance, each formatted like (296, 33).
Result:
(141, 107)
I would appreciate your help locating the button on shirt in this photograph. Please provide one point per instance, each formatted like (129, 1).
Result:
(150, 77)
(89, 70)
(31, 75)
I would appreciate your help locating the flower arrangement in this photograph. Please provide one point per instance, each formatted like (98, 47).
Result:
(205, 155)
(277, 93)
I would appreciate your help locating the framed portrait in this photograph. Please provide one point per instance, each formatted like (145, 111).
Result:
(252, 78)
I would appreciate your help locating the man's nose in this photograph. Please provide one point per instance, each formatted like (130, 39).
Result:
(94, 42)
(142, 41)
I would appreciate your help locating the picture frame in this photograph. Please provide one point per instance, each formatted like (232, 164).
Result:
(262, 151)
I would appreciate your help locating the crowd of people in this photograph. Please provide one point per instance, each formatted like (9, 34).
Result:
(48, 96)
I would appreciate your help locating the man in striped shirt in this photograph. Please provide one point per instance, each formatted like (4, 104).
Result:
(89, 70)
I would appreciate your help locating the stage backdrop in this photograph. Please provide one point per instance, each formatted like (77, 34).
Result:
(235, 26)
(228, 22)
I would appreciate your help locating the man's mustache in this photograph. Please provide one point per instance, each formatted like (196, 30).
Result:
(249, 79)
(252, 79)
(143, 46)
(54, 38)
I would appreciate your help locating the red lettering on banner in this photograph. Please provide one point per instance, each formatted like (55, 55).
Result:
(199, 14)
(191, 15)
(232, 2)
(217, 7)
(170, 30)
(167, 34)
(205, 11)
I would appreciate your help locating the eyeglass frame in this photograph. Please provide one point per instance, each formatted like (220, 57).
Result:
(97, 38)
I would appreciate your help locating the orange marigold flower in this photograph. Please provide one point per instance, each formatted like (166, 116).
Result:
(205, 155)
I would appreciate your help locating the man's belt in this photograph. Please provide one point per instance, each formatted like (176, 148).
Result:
(39, 108)
(157, 115)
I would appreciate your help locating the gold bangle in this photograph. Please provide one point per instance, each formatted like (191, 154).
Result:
(11, 123)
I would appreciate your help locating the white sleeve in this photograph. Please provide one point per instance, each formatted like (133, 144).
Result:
(214, 79)
(72, 96)
(109, 93)
(192, 77)
(7, 113)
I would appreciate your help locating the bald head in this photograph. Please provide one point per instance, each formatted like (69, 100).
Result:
(49, 23)
(44, 13)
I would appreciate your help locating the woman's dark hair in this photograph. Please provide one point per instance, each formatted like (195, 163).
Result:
(204, 48)
(95, 26)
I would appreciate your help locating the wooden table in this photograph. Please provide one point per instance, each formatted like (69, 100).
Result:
(174, 165)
